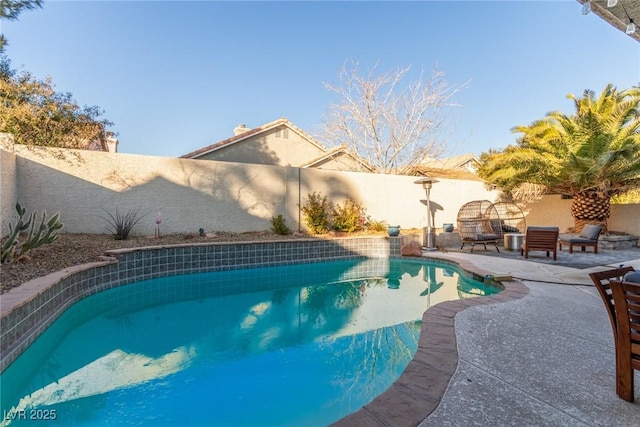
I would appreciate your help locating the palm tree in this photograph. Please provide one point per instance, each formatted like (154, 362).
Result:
(591, 155)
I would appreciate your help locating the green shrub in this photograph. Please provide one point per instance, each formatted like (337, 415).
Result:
(120, 225)
(631, 196)
(349, 217)
(18, 242)
(278, 225)
(316, 210)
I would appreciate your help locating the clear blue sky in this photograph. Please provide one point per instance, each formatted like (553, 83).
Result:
(174, 76)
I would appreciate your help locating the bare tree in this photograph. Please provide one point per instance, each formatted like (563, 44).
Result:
(390, 124)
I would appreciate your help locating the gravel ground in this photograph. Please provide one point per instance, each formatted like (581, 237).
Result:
(73, 249)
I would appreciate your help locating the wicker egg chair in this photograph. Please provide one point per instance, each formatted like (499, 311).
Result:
(481, 221)
(475, 226)
(509, 216)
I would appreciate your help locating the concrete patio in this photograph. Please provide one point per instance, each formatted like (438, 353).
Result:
(545, 359)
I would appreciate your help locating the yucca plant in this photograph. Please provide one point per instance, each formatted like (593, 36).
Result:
(121, 224)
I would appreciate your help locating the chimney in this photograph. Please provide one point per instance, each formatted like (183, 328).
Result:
(112, 144)
(241, 128)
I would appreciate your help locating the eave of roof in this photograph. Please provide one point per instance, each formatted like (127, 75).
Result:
(339, 150)
(618, 15)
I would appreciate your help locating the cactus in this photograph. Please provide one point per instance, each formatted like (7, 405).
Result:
(18, 244)
(10, 245)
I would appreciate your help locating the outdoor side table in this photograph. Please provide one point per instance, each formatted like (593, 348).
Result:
(513, 241)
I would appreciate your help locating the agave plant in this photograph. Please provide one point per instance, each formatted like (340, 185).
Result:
(120, 224)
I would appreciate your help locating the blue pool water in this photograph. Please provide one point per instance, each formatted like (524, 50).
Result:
(282, 346)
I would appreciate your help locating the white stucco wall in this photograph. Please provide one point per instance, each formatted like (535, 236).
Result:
(625, 218)
(238, 197)
(225, 196)
(554, 210)
(8, 181)
(188, 194)
(550, 211)
(396, 199)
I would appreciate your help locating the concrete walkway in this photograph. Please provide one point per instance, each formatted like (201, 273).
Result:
(543, 360)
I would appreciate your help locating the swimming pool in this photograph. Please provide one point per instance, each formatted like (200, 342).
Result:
(293, 345)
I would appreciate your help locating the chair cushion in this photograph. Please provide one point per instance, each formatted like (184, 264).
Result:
(632, 276)
(496, 225)
(487, 236)
(577, 240)
(509, 229)
(590, 231)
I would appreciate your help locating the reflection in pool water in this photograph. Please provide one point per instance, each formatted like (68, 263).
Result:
(296, 345)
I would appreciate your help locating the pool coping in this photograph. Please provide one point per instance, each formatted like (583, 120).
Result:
(408, 401)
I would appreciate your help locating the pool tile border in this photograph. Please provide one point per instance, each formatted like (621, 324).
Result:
(420, 388)
(26, 311)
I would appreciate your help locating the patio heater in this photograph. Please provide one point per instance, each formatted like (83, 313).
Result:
(429, 231)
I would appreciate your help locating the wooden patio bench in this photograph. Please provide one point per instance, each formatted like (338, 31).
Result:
(540, 239)
(588, 237)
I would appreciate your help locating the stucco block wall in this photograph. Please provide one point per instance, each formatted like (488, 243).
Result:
(625, 218)
(395, 199)
(238, 197)
(216, 196)
(554, 210)
(8, 183)
(188, 194)
(549, 211)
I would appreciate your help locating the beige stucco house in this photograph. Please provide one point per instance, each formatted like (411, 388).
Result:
(279, 143)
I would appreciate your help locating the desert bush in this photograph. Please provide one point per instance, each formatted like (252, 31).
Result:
(278, 225)
(349, 217)
(374, 225)
(120, 225)
(19, 242)
(317, 211)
